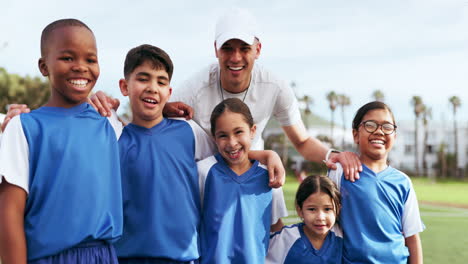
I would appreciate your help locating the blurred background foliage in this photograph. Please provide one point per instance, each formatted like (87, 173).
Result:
(33, 91)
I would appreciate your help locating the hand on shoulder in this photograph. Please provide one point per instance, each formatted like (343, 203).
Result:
(349, 161)
(14, 110)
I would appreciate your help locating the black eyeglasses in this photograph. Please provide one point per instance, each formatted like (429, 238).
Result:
(371, 126)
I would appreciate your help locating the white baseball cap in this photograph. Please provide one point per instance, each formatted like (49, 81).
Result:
(236, 23)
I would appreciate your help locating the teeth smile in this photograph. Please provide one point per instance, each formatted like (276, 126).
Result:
(236, 68)
(376, 141)
(151, 101)
(80, 82)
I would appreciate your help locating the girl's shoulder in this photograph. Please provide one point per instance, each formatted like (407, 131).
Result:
(336, 230)
(260, 165)
(209, 160)
(205, 165)
(396, 174)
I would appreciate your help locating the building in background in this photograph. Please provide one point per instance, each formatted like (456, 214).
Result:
(439, 146)
(440, 143)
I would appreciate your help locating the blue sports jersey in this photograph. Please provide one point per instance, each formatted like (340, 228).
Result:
(372, 216)
(160, 192)
(236, 214)
(291, 246)
(74, 180)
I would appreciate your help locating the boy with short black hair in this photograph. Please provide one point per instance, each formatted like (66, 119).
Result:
(158, 163)
(60, 201)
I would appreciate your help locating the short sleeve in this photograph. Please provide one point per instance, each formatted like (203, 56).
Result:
(286, 109)
(278, 206)
(204, 144)
(14, 155)
(204, 167)
(115, 123)
(412, 223)
(281, 243)
(336, 175)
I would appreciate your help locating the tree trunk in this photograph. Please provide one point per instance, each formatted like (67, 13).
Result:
(424, 154)
(416, 163)
(455, 141)
(443, 161)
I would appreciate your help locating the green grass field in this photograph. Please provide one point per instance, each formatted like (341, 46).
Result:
(445, 239)
(452, 192)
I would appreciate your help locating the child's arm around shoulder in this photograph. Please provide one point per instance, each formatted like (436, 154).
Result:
(205, 147)
(276, 172)
(278, 209)
(277, 226)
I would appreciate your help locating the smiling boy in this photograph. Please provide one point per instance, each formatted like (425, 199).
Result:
(158, 162)
(59, 201)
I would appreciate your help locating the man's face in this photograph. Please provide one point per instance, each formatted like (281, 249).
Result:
(236, 60)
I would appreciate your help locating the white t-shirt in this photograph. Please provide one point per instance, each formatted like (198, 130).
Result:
(266, 96)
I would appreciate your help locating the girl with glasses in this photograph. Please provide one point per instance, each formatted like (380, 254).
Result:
(380, 214)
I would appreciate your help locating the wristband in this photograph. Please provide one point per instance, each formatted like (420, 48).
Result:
(330, 151)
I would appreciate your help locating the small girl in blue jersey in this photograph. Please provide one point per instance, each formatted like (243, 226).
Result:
(380, 215)
(239, 208)
(317, 239)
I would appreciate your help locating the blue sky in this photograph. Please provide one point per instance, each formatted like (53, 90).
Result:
(402, 47)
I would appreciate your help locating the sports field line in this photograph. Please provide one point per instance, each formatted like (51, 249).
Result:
(445, 211)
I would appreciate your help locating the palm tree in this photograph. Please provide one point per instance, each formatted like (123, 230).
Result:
(441, 155)
(343, 101)
(378, 95)
(332, 102)
(307, 100)
(456, 102)
(418, 105)
(426, 115)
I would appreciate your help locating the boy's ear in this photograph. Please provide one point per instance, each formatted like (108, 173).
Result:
(169, 95)
(123, 87)
(43, 67)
